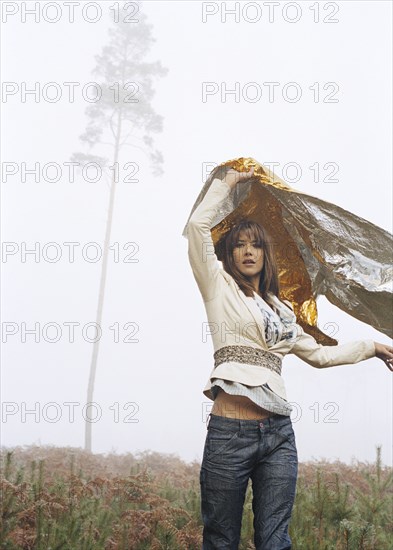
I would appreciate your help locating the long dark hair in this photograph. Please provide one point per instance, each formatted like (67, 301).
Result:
(269, 281)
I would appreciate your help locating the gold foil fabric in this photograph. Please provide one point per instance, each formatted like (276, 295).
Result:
(321, 249)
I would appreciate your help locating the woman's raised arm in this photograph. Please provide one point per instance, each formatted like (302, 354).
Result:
(201, 254)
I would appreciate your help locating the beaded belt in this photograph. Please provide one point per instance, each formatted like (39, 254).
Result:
(249, 355)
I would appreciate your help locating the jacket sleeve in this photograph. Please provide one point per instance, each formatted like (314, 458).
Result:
(317, 355)
(201, 254)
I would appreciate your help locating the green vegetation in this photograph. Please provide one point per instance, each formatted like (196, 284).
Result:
(69, 499)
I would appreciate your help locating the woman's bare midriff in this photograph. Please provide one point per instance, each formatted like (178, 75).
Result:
(238, 406)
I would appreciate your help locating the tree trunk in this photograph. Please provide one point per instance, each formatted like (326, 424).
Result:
(96, 345)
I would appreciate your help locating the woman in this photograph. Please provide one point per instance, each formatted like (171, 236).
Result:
(250, 434)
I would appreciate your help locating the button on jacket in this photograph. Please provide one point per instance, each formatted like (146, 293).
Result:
(235, 319)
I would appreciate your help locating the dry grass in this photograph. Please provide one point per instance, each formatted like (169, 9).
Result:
(66, 498)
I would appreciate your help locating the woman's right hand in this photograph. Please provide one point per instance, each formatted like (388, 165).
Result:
(232, 177)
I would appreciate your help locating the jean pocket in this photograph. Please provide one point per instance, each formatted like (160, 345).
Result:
(219, 440)
(286, 433)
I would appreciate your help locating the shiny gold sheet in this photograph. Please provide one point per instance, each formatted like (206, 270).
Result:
(321, 249)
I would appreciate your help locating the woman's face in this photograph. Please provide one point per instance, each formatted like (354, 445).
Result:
(248, 257)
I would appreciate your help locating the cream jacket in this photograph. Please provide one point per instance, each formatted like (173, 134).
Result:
(235, 319)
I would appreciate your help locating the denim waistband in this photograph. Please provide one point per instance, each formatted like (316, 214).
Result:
(249, 424)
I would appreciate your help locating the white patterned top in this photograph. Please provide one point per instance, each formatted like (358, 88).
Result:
(278, 325)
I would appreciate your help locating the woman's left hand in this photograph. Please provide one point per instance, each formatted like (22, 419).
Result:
(385, 353)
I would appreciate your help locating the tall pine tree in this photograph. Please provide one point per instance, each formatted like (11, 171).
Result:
(122, 116)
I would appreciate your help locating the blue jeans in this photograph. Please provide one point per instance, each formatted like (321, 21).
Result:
(236, 450)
